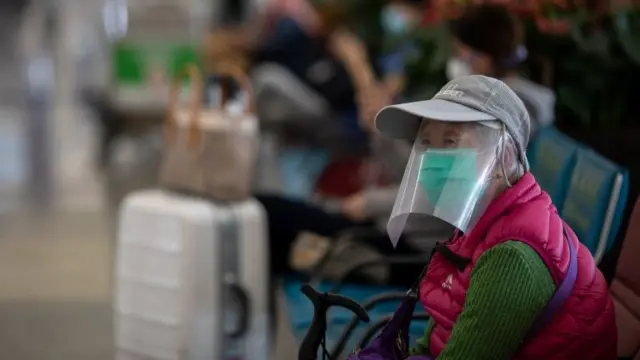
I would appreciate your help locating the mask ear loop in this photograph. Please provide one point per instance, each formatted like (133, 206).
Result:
(503, 151)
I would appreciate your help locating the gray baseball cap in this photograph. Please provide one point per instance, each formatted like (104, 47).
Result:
(473, 98)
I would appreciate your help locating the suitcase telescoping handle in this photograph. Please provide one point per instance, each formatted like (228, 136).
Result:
(240, 295)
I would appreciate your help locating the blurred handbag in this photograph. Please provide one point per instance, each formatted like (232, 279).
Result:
(324, 259)
(363, 172)
(210, 151)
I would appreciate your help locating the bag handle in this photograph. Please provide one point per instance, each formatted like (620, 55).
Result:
(197, 89)
(196, 84)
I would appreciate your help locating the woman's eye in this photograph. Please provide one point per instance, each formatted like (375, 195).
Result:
(425, 143)
(450, 142)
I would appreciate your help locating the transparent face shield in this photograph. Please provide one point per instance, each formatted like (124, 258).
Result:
(451, 176)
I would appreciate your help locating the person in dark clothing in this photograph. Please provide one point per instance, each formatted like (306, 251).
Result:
(299, 47)
(372, 206)
(302, 90)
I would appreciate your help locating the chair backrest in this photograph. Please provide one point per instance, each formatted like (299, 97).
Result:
(552, 158)
(595, 201)
(625, 290)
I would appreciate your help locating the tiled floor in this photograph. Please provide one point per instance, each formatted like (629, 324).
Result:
(55, 287)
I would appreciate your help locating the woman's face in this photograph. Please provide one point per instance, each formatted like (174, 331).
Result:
(479, 64)
(450, 135)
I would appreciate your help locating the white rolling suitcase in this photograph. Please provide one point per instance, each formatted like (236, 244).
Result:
(191, 279)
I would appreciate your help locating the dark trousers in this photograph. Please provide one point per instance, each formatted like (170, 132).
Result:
(287, 218)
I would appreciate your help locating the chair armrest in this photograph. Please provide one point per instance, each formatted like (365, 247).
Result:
(368, 305)
(421, 259)
(603, 239)
(375, 327)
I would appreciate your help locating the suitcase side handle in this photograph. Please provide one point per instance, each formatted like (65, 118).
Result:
(240, 295)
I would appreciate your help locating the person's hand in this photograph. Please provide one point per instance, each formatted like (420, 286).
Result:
(346, 46)
(370, 102)
(353, 207)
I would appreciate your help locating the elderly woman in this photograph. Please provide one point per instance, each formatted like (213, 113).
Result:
(514, 282)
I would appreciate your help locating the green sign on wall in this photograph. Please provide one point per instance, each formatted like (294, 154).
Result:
(134, 63)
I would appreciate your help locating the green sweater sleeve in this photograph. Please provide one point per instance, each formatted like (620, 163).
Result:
(510, 286)
(422, 345)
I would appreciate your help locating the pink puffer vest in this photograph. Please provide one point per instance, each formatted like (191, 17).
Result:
(584, 328)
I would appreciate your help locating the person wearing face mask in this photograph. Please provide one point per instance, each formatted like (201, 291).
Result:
(487, 40)
(287, 218)
(399, 19)
(382, 80)
(514, 282)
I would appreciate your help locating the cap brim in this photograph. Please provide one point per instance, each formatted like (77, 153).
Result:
(402, 121)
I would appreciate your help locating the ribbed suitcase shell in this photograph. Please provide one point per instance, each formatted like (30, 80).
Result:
(176, 257)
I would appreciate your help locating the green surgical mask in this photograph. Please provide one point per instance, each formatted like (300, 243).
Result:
(454, 170)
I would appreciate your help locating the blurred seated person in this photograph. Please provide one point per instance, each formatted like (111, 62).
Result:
(288, 218)
(399, 19)
(373, 205)
(299, 85)
(304, 95)
(487, 40)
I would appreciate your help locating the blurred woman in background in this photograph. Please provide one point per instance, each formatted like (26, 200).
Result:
(371, 206)
(299, 85)
(381, 80)
(488, 40)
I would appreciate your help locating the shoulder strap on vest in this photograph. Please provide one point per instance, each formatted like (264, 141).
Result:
(564, 289)
(413, 290)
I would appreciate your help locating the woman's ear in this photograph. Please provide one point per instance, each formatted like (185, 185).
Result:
(511, 160)
(505, 162)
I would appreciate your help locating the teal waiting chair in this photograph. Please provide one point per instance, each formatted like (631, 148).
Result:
(595, 201)
(552, 156)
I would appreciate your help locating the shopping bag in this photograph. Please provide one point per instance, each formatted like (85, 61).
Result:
(210, 150)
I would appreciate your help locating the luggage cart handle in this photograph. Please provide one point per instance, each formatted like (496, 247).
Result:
(321, 304)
